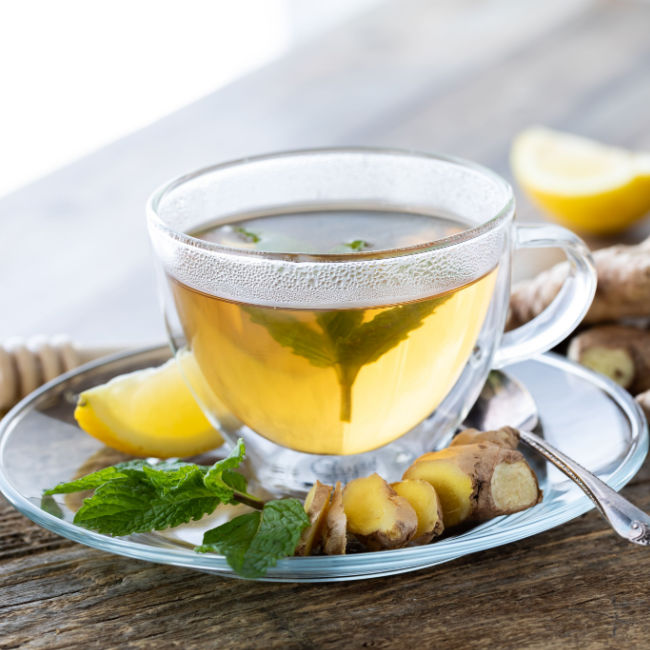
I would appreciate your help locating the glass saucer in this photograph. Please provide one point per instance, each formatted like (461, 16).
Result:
(583, 414)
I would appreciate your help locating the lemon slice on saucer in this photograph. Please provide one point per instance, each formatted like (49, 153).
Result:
(584, 184)
(149, 412)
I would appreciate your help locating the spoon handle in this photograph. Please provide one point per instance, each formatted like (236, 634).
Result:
(626, 519)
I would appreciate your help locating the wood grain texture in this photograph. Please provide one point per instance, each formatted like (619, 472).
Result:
(458, 75)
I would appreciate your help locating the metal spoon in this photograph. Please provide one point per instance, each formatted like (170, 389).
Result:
(505, 402)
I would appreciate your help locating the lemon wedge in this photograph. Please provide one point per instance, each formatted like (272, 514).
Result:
(584, 184)
(148, 412)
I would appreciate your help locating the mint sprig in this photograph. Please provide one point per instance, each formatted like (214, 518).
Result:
(136, 497)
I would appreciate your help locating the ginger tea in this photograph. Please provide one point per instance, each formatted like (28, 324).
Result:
(333, 381)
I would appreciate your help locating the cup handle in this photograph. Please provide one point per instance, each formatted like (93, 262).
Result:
(566, 310)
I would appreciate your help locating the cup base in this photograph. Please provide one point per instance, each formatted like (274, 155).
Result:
(284, 472)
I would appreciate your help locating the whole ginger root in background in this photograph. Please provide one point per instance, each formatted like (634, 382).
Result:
(623, 289)
(619, 351)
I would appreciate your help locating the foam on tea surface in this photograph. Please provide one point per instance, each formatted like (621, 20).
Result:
(243, 273)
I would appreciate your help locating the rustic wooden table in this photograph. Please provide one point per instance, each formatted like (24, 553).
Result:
(456, 76)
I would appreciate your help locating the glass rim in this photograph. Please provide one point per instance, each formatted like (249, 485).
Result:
(156, 197)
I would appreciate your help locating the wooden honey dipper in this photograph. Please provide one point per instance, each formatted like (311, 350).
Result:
(25, 364)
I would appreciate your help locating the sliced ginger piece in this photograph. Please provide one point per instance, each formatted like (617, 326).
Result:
(476, 482)
(513, 487)
(317, 503)
(424, 500)
(377, 516)
(334, 534)
(454, 486)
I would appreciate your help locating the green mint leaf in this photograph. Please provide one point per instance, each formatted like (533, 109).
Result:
(135, 497)
(373, 339)
(172, 465)
(226, 484)
(232, 539)
(357, 245)
(173, 480)
(346, 343)
(133, 505)
(235, 480)
(338, 325)
(51, 506)
(254, 542)
(291, 333)
(247, 234)
(213, 479)
(94, 480)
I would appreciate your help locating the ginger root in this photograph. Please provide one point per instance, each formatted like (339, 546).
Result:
(506, 437)
(317, 503)
(623, 289)
(454, 483)
(424, 500)
(479, 476)
(334, 535)
(377, 516)
(619, 352)
(477, 481)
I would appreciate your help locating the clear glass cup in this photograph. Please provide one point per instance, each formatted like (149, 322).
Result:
(273, 344)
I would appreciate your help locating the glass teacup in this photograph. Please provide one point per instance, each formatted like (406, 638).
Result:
(333, 356)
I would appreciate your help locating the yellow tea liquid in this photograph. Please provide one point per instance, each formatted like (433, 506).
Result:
(329, 381)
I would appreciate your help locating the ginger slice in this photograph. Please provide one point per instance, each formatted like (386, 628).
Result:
(335, 526)
(317, 503)
(476, 482)
(454, 485)
(377, 516)
(512, 486)
(424, 500)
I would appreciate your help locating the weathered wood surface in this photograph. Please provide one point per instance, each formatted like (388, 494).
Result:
(458, 76)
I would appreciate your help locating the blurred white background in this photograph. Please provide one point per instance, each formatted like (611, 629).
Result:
(76, 75)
